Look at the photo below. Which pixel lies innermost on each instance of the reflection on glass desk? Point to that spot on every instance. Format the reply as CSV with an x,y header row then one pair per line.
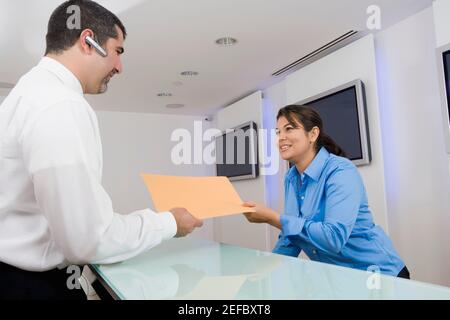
x,y
191,268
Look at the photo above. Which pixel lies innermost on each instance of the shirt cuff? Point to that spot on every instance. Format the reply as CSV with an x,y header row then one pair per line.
x,y
291,225
169,225
285,249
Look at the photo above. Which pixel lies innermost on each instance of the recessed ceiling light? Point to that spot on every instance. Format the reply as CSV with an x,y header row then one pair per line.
x,y
226,41
164,94
189,73
175,105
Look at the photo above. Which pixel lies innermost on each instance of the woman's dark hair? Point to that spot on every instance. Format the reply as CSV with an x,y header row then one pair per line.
x,y
309,118
101,21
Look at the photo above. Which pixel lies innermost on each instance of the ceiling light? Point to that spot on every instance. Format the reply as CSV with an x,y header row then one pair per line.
x,y
175,105
226,41
164,94
189,73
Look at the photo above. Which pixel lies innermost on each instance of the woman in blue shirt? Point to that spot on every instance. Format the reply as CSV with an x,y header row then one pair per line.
x,y
326,211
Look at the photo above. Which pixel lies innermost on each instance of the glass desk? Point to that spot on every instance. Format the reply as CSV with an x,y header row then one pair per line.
x,y
191,268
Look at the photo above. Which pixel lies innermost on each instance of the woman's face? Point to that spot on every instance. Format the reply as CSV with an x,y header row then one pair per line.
x,y
293,142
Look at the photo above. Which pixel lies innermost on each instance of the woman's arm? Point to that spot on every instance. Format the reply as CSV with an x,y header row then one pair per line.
x,y
285,247
262,214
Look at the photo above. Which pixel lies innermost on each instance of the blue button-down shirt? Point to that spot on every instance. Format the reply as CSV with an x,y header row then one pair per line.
x,y
327,215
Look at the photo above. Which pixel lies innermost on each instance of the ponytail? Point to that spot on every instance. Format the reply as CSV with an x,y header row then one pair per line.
x,y
325,140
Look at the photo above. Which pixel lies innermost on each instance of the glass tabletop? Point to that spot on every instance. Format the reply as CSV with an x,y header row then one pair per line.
x,y
192,268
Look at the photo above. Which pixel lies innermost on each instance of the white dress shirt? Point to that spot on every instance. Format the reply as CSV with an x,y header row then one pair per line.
x,y
53,208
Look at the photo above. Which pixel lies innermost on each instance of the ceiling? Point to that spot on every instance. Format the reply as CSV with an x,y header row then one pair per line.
x,y
166,37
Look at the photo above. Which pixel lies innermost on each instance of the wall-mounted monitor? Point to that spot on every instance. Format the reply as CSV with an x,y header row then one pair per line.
x,y
446,61
443,54
237,152
344,115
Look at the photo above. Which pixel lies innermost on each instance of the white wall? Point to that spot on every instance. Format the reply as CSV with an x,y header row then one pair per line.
x,y
441,10
355,61
236,229
416,165
134,143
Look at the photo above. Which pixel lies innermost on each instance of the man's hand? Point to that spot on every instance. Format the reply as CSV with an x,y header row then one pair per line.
x,y
262,214
186,222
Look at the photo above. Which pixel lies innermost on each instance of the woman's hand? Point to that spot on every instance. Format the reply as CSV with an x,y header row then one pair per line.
x,y
262,214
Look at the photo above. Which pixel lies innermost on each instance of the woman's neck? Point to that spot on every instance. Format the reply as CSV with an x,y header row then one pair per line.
x,y
305,161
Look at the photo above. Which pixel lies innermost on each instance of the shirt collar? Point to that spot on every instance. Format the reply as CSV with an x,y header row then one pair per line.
x,y
315,167
292,173
65,75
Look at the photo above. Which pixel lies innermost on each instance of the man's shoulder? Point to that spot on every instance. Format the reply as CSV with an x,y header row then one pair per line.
x,y
41,95
42,89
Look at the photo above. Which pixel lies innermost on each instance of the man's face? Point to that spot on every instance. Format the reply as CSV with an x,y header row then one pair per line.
x,y
107,67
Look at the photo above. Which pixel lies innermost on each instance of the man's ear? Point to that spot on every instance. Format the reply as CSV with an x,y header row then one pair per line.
x,y
85,47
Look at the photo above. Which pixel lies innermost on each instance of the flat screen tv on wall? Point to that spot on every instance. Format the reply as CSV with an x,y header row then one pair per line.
x,y
446,58
444,83
237,152
344,115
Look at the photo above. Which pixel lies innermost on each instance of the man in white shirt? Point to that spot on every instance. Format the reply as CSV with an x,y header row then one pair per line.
x,y
54,211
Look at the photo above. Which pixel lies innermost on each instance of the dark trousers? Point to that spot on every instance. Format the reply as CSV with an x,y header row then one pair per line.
x,y
404,273
18,284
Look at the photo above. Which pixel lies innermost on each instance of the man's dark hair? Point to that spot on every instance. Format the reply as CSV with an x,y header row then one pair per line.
x,y
92,16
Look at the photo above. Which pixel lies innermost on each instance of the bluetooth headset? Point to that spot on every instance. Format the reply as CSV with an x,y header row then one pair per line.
x,y
91,42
